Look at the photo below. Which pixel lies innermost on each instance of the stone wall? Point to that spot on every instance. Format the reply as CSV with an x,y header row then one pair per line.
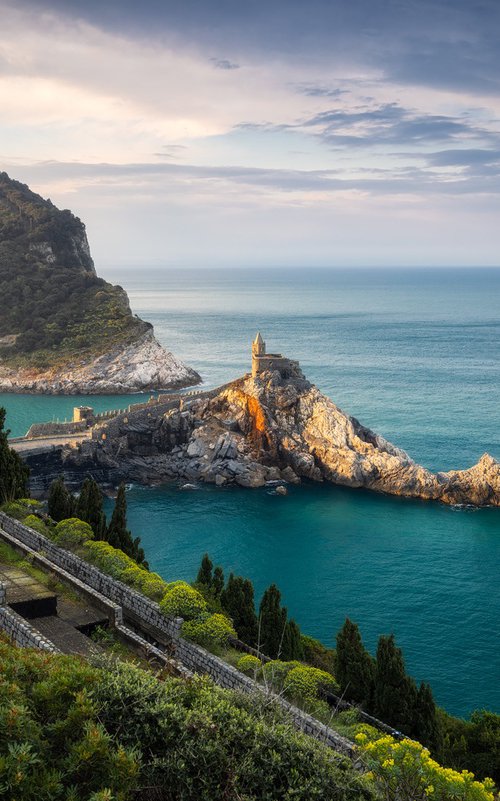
x,y
55,429
19,630
147,615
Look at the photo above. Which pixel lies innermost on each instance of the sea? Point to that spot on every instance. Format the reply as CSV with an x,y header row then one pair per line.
x,y
414,355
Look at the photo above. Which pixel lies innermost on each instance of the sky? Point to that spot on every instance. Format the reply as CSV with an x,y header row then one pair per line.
x,y
240,133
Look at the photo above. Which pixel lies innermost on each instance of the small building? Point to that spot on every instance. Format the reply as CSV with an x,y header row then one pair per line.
x,y
262,361
83,414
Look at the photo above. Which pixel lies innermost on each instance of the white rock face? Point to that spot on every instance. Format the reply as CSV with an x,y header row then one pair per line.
x,y
142,365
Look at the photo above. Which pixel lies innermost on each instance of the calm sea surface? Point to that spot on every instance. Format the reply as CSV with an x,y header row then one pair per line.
x,y
415,355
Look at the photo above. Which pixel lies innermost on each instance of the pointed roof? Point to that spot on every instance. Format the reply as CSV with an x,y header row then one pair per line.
x,y
258,339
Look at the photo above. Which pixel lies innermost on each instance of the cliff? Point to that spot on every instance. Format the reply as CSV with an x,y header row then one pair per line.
x,y
62,328
262,429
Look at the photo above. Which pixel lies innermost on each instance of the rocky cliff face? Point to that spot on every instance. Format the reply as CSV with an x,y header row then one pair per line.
x,y
62,328
267,429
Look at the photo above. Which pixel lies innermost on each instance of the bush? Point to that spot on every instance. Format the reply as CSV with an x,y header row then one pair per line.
x,y
36,524
86,733
249,664
108,559
298,681
72,532
404,770
211,631
16,509
182,600
305,683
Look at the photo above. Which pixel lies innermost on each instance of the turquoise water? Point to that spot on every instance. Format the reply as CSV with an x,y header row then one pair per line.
x,y
414,355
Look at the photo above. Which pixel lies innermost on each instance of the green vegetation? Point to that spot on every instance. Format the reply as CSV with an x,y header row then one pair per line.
x,y
61,505
54,307
76,732
13,472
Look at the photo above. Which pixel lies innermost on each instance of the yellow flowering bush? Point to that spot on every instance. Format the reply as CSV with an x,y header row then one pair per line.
x,y
182,600
210,631
405,771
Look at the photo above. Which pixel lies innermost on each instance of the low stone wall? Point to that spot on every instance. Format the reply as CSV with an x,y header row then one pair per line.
x,y
55,429
19,630
147,614
133,603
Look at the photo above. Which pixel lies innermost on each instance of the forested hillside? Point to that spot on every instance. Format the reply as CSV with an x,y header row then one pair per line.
x,y
53,303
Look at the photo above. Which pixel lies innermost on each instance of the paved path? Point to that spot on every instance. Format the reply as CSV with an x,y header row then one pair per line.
x,y
46,443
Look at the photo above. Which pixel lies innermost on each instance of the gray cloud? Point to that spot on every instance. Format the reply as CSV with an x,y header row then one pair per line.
x,y
224,64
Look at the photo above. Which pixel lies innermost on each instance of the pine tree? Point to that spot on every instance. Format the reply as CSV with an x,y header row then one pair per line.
x,y
237,600
292,647
217,582
14,473
272,618
118,534
395,693
205,572
354,667
60,503
89,508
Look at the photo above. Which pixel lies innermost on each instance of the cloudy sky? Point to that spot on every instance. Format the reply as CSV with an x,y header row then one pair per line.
x,y
220,132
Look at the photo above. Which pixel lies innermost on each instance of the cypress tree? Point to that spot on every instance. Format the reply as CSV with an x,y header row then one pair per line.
x,y
427,728
237,600
217,582
60,503
205,572
89,508
14,473
354,667
118,534
292,647
395,693
272,618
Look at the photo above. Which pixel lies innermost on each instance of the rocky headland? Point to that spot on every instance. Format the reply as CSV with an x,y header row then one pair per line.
x,y
62,328
274,426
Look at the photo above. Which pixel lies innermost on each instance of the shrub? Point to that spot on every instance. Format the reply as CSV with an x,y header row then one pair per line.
x,y
305,683
404,770
249,664
110,560
275,673
36,524
182,600
72,532
16,509
211,631
154,586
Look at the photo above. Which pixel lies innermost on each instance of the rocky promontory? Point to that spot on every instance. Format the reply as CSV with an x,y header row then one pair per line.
x,y
265,428
62,328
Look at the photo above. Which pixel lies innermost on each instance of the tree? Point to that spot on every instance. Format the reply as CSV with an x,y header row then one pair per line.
x,y
118,534
205,572
395,693
14,473
237,600
355,668
292,647
217,582
89,508
60,503
272,617
426,724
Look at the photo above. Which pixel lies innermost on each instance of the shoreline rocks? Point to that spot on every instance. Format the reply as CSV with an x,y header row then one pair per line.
x,y
267,429
138,366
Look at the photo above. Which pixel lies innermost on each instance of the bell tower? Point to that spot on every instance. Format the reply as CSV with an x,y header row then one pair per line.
x,y
258,350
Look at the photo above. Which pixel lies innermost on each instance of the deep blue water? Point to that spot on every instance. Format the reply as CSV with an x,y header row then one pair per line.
x,y
414,355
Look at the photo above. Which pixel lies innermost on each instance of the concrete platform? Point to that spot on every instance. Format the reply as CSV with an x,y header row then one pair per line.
x,y
68,639
27,596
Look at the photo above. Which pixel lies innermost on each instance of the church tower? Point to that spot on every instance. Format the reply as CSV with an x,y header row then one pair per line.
x,y
258,349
